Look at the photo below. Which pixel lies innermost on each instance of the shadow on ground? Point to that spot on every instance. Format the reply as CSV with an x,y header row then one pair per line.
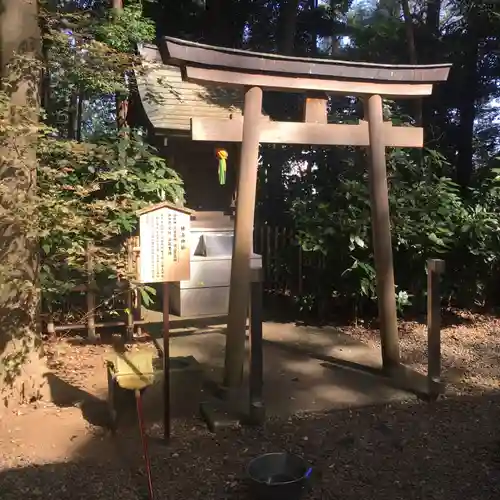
x,y
447,450
65,395
304,370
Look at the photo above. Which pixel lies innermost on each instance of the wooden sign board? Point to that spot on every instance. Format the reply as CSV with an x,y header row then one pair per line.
x,y
164,242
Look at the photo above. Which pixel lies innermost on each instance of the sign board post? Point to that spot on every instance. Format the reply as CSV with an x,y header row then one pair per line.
x,y
165,257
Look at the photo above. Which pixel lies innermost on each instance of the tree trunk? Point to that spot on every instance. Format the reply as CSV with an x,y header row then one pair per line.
x,y
45,87
282,103
469,93
288,26
121,103
22,366
214,15
73,115
79,117
313,4
428,55
412,52
391,8
432,20
218,31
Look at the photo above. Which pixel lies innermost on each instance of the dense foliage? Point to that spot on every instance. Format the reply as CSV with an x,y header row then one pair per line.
x,y
94,172
444,202
90,177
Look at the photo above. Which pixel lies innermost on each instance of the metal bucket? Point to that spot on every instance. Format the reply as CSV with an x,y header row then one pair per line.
x,y
278,476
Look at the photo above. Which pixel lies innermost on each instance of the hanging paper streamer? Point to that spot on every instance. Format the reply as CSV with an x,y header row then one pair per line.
x,y
222,156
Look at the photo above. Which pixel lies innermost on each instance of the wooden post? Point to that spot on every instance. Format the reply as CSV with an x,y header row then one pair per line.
x,y
268,262
316,107
239,294
435,268
138,296
381,229
51,330
129,297
256,376
301,273
166,365
91,333
138,313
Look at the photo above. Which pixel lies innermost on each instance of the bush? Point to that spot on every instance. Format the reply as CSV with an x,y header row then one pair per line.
x,y
430,218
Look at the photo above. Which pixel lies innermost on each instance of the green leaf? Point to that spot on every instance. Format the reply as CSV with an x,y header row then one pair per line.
x,y
145,294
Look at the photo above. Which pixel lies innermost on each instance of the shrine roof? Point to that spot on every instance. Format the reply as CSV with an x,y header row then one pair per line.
x,y
170,102
183,52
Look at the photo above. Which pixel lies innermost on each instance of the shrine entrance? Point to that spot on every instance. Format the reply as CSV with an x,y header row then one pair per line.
x,y
316,78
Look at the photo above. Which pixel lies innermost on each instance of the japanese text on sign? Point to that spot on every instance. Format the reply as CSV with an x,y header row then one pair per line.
x,y
164,241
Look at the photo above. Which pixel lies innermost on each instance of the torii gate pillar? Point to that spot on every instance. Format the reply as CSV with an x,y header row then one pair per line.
x,y
381,234
239,296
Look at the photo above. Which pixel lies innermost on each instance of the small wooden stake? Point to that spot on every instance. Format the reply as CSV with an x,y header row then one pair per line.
x,y
90,294
51,331
381,229
435,268
166,365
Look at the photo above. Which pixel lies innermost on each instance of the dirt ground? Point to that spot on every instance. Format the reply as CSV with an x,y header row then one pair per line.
x,y
413,450
470,349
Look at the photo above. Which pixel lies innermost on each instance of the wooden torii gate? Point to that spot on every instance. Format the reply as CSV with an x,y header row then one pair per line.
x,y
316,78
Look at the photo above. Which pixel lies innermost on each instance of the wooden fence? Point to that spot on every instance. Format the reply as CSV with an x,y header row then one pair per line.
x,y
131,320
287,271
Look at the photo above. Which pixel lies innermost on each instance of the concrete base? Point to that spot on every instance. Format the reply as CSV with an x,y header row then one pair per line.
x,y
231,407
305,369
217,415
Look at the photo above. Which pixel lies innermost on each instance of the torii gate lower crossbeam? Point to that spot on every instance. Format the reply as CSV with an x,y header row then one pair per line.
x,y
255,72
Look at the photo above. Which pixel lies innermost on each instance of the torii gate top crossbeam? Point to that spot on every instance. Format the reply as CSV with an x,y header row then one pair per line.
x,y
191,53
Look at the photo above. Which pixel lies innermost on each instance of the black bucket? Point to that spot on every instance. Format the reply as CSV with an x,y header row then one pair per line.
x,y
278,476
